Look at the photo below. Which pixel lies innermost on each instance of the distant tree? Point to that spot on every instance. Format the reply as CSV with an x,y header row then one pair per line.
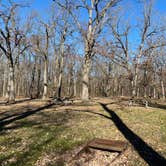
x,y
41,47
122,53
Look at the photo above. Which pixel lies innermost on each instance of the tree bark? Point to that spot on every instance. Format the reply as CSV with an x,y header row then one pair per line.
x,y
5,82
145,91
163,89
134,92
75,87
59,87
11,86
45,77
154,92
85,79
38,78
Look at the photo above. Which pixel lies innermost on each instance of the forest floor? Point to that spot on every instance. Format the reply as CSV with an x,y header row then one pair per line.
x,y
35,132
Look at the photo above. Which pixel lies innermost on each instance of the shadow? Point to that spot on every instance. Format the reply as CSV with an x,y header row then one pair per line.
x,y
152,103
16,102
36,147
155,105
11,118
144,150
90,112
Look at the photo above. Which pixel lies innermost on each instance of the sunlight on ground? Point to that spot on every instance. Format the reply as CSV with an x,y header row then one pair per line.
x,y
39,138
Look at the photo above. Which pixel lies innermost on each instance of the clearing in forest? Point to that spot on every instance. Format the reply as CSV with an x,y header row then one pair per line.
x,y
36,132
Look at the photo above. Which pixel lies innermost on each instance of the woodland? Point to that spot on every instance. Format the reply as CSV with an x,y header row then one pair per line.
x,y
81,71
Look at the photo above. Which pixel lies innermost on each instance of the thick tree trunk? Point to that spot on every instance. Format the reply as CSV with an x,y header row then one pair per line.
x,y
163,89
154,92
134,89
59,86
32,85
38,79
85,79
11,86
75,87
5,94
122,92
135,78
145,91
138,92
45,77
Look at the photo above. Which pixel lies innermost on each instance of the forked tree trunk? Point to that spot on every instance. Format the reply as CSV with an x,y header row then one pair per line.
x,y
45,79
85,79
11,86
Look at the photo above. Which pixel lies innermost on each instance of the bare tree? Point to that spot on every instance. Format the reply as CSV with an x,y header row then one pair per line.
x,y
120,50
96,11
63,33
41,47
11,37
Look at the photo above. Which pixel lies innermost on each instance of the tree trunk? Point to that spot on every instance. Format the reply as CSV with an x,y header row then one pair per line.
x,y
134,92
122,93
5,94
135,78
145,91
154,92
45,76
75,87
38,78
132,88
85,79
59,87
163,89
11,90
138,92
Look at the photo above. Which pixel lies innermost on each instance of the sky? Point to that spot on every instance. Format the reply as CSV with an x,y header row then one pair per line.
x,y
132,7
161,5
41,5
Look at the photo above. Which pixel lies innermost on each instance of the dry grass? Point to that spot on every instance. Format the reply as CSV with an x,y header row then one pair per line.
x,y
43,136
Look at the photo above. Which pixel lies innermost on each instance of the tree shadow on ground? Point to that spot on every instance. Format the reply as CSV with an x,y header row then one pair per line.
x,y
156,105
46,139
144,150
16,102
40,142
14,117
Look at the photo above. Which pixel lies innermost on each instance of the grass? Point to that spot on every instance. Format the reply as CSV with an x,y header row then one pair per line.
x,y
41,137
